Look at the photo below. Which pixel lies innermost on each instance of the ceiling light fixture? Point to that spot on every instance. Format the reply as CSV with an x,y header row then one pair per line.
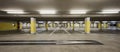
x,y
47,11
78,11
110,11
15,11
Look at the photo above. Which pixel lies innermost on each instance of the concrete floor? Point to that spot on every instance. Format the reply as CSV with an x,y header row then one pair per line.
x,y
110,40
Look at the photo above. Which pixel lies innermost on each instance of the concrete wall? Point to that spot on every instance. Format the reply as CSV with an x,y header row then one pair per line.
x,y
7,26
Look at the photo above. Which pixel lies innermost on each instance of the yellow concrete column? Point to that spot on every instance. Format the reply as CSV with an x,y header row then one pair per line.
x,y
118,25
73,25
46,25
87,25
68,24
33,25
20,25
105,25
99,25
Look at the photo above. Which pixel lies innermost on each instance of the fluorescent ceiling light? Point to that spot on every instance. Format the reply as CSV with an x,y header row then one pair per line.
x,y
78,11
47,11
110,11
15,11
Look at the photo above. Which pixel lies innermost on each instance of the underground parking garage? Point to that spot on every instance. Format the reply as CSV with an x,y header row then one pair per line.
x,y
59,26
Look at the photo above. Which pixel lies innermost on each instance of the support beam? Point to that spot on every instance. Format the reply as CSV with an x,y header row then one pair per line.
x,y
53,24
33,25
46,25
87,25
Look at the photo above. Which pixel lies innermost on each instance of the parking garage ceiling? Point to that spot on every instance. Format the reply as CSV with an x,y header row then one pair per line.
x,y
62,6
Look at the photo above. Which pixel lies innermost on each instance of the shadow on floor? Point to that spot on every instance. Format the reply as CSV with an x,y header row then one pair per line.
x,y
13,32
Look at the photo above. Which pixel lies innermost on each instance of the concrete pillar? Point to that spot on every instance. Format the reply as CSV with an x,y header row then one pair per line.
x,y
20,25
33,25
104,25
68,24
46,25
73,26
87,25
118,24
100,25
53,24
